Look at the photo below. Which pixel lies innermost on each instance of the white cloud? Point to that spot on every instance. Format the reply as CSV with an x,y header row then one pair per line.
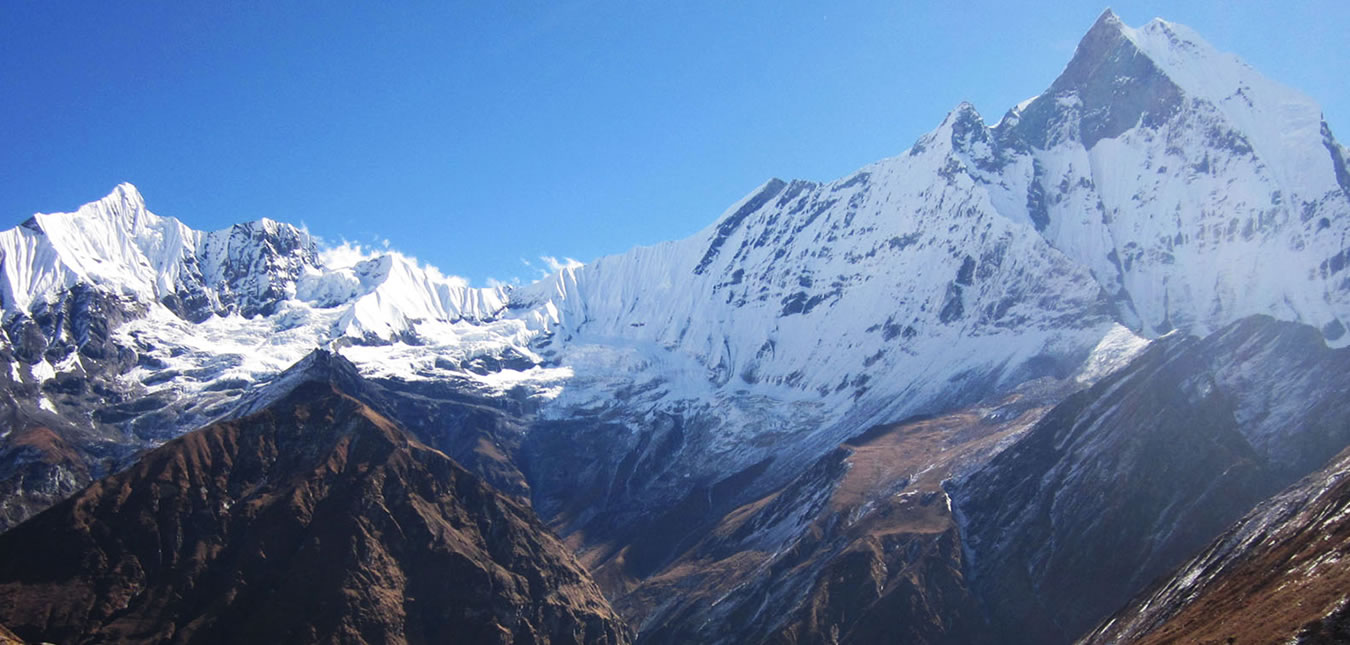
x,y
348,254
343,255
554,264
494,283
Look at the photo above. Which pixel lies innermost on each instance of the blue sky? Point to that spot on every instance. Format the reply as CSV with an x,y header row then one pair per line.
x,y
482,136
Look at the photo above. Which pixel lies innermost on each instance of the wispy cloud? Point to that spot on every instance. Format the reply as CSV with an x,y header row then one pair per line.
x,y
494,283
554,264
346,254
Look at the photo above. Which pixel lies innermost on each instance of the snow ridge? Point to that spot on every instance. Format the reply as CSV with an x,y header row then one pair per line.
x,y
118,245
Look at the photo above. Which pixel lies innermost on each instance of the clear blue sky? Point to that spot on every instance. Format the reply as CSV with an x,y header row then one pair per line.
x,y
477,134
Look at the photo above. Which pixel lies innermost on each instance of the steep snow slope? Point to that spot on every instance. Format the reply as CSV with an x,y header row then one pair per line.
x,y
1197,191
810,311
808,287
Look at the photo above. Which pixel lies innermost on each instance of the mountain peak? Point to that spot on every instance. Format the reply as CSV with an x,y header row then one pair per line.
x,y
319,366
963,110
1106,32
124,205
1107,20
963,127
1109,86
126,190
1153,40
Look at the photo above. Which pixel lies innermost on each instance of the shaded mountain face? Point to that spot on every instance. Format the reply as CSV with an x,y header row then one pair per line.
x,y
46,456
1120,483
1274,576
862,547
1026,518
312,520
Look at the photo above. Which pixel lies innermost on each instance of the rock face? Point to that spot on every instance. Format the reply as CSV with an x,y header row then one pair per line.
x,y
860,548
313,520
39,470
1062,506
45,456
1120,483
1275,576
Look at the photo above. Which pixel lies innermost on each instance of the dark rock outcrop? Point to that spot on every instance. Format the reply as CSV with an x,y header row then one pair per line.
x,y
862,547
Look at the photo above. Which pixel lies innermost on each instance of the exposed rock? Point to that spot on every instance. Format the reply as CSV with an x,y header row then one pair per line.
x,y
1122,482
1278,575
315,520
860,548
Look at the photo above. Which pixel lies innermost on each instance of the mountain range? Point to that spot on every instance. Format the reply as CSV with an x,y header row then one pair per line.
x,y
989,390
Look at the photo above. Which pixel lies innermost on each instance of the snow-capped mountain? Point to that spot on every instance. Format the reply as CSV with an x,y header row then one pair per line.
x,y
115,244
1196,190
1179,181
123,328
241,303
252,269
1158,186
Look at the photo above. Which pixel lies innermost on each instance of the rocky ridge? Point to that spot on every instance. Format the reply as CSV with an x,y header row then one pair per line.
x,y
314,519
1274,576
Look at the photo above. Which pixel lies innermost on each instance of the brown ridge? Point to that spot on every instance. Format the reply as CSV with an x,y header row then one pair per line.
x,y
314,521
